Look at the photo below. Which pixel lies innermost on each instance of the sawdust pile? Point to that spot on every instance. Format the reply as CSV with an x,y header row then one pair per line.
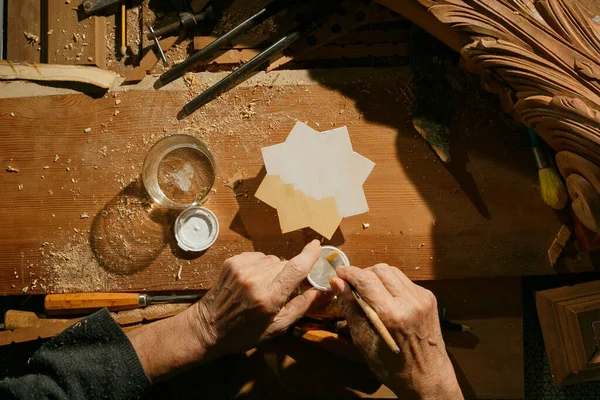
x,y
74,268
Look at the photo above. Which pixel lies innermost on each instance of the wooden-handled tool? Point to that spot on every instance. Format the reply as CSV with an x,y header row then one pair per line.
x,y
84,303
370,313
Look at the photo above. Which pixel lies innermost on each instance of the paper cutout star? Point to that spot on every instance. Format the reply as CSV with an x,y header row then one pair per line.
x,y
314,179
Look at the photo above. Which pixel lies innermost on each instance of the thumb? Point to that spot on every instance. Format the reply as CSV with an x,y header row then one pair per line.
x,y
291,312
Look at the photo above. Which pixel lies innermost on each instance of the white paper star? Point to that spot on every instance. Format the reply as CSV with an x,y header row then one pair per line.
x,y
321,165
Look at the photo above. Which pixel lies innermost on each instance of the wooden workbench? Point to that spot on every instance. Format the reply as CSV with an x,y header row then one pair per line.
x,y
82,222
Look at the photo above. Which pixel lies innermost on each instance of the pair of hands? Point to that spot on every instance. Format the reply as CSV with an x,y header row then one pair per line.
x,y
251,303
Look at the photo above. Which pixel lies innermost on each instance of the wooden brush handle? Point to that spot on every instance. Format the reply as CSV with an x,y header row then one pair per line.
x,y
85,303
377,323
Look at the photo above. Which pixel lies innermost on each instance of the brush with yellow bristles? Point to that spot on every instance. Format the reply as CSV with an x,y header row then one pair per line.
x,y
552,186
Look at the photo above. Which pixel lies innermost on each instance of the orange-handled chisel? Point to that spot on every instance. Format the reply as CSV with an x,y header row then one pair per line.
x,y
85,303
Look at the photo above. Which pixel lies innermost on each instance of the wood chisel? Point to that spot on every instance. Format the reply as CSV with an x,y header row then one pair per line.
x,y
84,303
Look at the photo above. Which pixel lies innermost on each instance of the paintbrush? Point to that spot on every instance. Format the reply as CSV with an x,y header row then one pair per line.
x,y
552,187
370,313
123,48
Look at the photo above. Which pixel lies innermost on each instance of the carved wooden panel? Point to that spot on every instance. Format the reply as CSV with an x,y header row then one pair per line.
x,y
542,56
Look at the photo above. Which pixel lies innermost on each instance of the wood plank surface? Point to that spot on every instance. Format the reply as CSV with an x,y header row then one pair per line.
x,y
76,217
75,38
23,17
488,361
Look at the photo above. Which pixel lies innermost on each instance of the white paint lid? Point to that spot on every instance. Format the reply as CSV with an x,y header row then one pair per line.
x,y
320,273
196,229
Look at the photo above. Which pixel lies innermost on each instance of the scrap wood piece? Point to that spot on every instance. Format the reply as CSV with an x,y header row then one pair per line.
x,y
559,243
52,72
129,319
150,313
30,334
149,60
240,42
235,56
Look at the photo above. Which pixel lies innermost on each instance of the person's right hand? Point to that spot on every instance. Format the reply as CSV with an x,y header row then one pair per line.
x,y
423,369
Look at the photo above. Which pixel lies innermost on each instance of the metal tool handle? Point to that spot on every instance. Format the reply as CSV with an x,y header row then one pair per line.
x,y
245,70
91,6
270,9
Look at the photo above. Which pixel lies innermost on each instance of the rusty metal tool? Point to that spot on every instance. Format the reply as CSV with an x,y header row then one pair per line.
x,y
209,51
83,303
249,68
93,6
187,20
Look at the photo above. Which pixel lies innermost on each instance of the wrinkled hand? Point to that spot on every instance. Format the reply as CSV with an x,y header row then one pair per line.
x,y
422,370
249,303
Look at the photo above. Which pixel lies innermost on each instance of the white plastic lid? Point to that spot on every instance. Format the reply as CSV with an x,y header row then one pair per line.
x,y
196,229
323,270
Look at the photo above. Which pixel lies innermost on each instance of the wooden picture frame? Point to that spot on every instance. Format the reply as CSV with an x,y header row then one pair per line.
x,y
570,321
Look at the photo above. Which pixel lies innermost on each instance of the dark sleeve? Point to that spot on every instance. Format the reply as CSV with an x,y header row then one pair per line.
x,y
93,359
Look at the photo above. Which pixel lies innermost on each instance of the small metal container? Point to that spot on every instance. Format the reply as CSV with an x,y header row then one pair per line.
x,y
196,229
179,171
323,270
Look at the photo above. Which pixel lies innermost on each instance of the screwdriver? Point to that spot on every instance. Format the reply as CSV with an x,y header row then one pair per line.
x,y
84,303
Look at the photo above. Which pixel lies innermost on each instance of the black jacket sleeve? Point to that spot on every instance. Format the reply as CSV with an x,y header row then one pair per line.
x,y
92,359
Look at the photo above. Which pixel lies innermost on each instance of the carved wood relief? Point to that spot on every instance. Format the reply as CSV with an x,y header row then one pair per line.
x,y
544,54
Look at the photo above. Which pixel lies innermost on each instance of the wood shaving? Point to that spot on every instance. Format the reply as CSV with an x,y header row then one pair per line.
x,y
366,225
87,130
31,38
234,181
11,169
84,216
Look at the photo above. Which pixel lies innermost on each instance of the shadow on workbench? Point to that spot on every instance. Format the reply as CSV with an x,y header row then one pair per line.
x,y
284,368
487,148
131,231
259,222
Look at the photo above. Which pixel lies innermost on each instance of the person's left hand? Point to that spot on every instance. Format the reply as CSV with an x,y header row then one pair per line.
x,y
249,302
